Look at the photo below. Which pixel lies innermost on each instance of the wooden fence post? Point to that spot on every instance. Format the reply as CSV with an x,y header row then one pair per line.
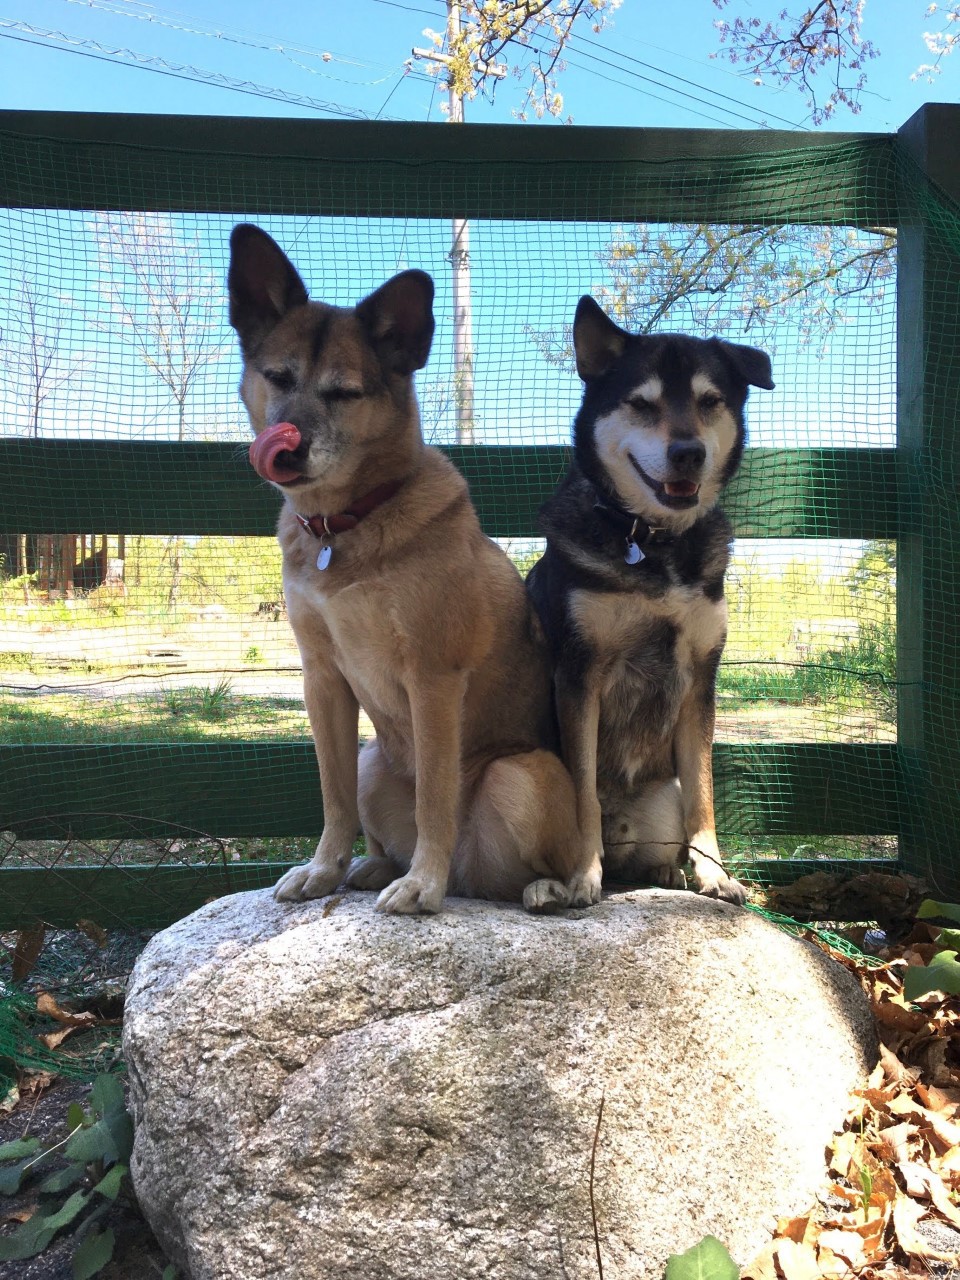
x,y
928,547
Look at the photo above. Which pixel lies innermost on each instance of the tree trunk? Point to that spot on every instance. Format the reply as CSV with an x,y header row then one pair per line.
x,y
176,572
68,562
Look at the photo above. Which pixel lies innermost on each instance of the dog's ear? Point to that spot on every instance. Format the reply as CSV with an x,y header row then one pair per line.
x,y
752,364
262,282
399,320
597,341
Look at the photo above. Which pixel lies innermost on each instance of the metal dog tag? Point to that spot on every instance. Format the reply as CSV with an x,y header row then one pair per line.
x,y
634,554
323,559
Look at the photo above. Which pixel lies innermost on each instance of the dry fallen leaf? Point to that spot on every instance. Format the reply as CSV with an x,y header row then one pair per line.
x,y
95,932
896,1072
53,1039
764,1266
32,1082
70,1022
797,1261
895,1142
906,1214
46,1004
19,1215
844,1244
802,1229
844,1146
27,950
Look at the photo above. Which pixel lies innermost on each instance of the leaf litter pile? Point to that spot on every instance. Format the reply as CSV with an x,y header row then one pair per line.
x,y
891,1205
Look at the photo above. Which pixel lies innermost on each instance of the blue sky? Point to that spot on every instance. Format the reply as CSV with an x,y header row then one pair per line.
x,y
350,55
650,67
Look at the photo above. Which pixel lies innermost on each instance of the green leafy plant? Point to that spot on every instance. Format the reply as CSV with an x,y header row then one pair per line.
x,y
96,1152
943,971
708,1260
253,654
866,1189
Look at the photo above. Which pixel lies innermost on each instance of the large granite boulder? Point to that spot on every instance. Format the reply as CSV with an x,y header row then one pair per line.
x,y
321,1091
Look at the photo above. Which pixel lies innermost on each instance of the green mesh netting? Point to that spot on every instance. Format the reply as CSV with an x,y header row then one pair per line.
x,y
154,749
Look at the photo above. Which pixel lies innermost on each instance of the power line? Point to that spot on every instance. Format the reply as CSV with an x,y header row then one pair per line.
x,y
724,124
246,39
400,81
160,66
673,76
670,102
394,4
716,106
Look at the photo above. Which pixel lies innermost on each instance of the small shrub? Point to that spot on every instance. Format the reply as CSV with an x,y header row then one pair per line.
x,y
96,1173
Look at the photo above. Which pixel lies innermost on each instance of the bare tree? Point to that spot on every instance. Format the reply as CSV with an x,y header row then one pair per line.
x,y
163,298
36,362
167,305
33,362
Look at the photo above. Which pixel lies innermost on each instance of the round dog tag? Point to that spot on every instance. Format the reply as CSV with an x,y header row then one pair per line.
x,y
323,559
634,554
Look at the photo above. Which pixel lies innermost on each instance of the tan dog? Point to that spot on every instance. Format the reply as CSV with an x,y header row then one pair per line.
x,y
401,605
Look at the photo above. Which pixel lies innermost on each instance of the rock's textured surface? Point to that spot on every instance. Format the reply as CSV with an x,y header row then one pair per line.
x,y
324,1092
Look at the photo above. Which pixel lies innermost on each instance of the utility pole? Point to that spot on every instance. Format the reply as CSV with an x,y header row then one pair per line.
x,y
459,255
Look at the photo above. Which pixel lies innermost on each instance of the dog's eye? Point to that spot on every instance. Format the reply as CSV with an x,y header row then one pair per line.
x,y
709,403
643,406
282,379
342,393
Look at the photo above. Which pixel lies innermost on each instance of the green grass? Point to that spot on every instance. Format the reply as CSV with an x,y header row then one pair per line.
x,y
860,675
192,714
741,851
17,662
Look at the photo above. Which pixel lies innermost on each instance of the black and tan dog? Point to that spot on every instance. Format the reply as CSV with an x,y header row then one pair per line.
x,y
400,605
630,592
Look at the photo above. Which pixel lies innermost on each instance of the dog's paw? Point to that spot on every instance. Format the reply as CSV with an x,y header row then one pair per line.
x,y
715,883
544,896
668,876
583,889
411,896
308,881
371,872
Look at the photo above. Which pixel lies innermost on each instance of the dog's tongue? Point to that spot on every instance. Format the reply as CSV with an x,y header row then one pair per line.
x,y
680,489
264,450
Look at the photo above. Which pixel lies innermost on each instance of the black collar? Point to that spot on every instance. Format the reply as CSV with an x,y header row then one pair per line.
x,y
631,527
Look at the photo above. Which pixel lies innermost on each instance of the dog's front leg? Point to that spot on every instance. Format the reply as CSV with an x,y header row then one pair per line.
x,y
436,709
334,714
693,745
578,712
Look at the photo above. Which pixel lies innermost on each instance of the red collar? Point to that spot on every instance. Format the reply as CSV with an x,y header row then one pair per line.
x,y
327,526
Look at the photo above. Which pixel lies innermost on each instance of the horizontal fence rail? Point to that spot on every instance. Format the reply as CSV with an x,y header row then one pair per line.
x,y
193,489
358,169
218,787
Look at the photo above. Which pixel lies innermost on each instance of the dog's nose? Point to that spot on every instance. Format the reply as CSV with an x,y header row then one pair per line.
x,y
686,455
